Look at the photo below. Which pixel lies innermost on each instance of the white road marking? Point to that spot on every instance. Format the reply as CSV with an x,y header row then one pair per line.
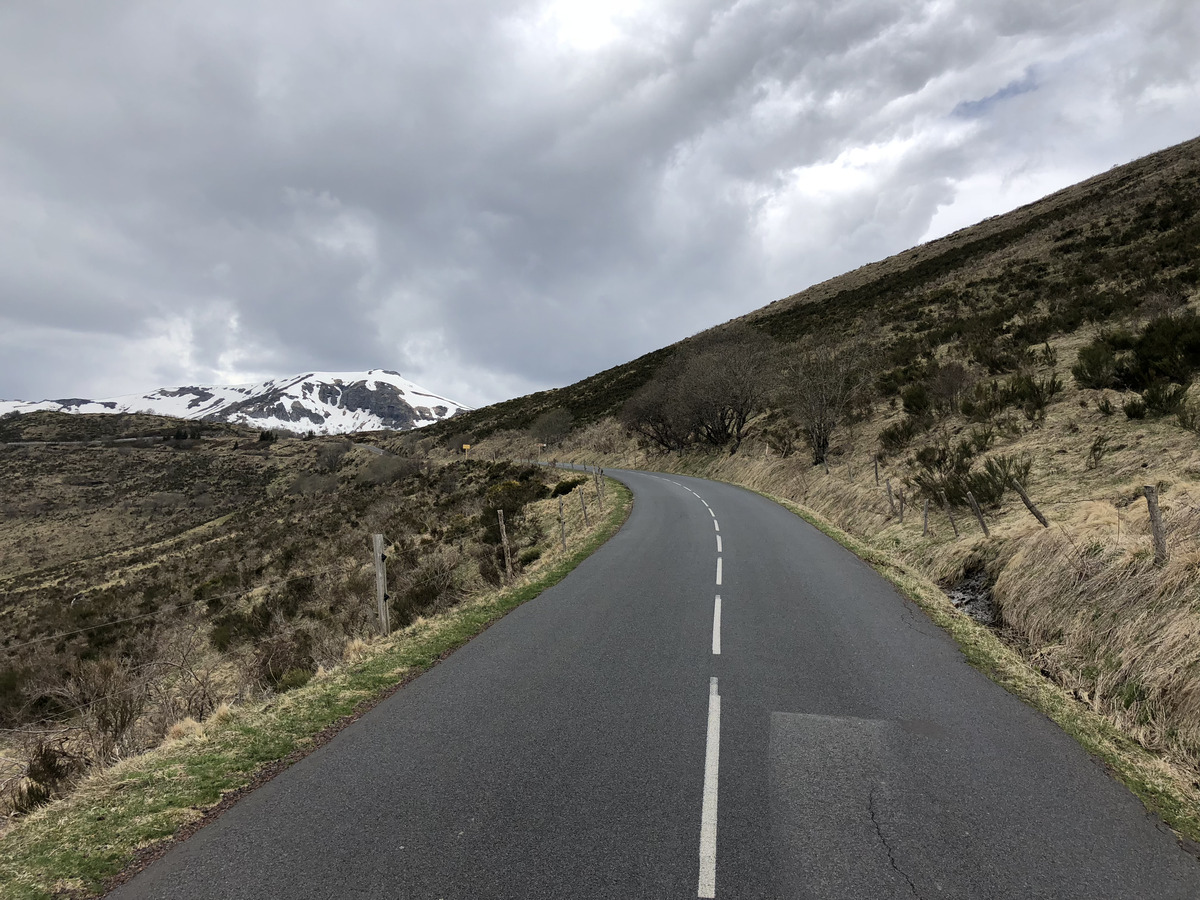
x,y
716,524
718,543
717,627
711,513
708,810
718,570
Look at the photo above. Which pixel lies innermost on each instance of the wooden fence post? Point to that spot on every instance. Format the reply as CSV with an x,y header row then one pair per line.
x,y
876,460
504,540
1037,513
562,523
599,496
849,472
891,501
583,505
381,597
925,520
978,514
1156,526
900,497
949,513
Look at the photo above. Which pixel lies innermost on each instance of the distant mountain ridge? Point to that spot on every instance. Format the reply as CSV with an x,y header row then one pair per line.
x,y
321,402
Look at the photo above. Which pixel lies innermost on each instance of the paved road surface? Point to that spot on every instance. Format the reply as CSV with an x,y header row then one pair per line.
x,y
595,744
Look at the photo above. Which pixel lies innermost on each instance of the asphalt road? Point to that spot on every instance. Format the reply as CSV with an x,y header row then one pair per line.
x,y
593,744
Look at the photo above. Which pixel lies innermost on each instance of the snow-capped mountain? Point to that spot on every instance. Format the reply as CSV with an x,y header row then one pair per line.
x,y
322,402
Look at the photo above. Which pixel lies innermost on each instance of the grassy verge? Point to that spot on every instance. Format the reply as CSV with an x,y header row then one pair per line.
x,y
73,846
1157,785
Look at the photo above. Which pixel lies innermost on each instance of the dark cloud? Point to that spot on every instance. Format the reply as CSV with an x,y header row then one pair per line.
x,y
497,197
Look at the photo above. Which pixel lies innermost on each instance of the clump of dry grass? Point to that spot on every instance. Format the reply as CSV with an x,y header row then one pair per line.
x,y
185,728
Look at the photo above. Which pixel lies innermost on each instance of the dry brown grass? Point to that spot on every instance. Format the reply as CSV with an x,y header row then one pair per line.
x,y
232,601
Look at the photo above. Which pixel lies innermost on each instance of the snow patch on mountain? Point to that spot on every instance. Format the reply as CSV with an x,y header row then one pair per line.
x,y
321,402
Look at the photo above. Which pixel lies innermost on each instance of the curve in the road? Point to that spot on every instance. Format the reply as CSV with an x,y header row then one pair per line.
x,y
720,702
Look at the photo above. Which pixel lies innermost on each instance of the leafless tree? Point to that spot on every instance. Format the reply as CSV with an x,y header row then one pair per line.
x,y
713,388
727,382
824,382
655,413
551,426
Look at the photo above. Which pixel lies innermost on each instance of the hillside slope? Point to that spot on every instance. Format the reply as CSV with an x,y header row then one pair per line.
x,y
1085,254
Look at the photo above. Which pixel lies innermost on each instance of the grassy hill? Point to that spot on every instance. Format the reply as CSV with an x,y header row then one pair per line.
x,y
1107,247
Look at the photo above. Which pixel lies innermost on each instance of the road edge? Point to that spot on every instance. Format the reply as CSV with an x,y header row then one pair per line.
x,y
58,851
1122,757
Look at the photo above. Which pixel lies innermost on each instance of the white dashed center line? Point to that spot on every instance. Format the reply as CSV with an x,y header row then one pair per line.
x,y
708,810
717,627
718,543
718,570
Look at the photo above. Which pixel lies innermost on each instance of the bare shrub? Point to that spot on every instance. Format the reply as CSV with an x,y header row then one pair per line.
x,y
430,586
48,771
278,661
188,685
329,457
110,694
314,484
948,386
387,469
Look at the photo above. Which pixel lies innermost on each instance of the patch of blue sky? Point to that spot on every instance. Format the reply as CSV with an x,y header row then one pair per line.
x,y
974,109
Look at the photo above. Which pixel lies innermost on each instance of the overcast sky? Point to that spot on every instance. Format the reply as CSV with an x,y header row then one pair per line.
x,y
493,196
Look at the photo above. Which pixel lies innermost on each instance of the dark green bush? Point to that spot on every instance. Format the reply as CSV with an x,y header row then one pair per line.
x,y
1135,408
1034,394
987,400
1096,366
999,472
945,469
981,439
1164,399
565,487
899,435
916,399
1168,349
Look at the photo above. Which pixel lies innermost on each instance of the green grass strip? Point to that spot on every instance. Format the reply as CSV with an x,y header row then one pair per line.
x,y
74,845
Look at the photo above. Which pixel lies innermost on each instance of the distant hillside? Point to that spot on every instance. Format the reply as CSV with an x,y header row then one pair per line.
x,y
1083,254
321,402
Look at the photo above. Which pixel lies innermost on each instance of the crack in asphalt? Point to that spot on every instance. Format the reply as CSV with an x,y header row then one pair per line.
x,y
888,847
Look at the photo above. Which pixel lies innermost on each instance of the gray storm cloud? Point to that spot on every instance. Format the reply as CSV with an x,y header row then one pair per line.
x,y
498,197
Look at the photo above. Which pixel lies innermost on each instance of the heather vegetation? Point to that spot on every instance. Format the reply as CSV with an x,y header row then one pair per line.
x,y
1052,351
149,585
